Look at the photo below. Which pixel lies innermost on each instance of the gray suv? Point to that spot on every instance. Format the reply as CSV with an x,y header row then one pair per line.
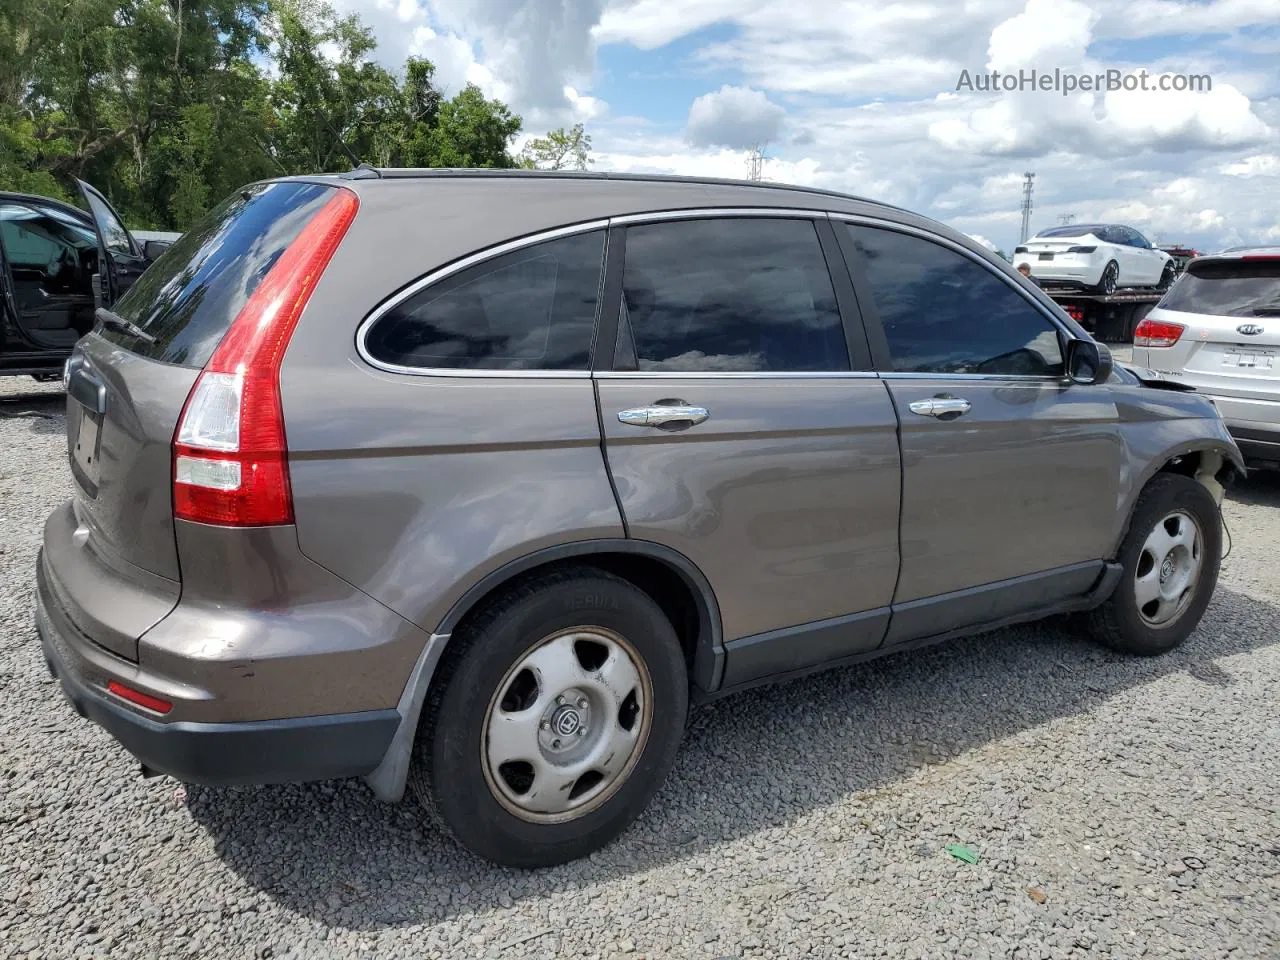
x,y
471,484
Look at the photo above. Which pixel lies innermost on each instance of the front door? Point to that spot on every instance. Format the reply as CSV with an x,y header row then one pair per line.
x,y
50,258
122,261
1010,473
738,434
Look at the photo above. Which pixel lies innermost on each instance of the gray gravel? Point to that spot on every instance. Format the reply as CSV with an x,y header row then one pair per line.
x,y
1137,798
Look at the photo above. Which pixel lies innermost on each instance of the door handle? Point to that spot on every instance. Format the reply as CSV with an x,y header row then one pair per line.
x,y
663,414
942,407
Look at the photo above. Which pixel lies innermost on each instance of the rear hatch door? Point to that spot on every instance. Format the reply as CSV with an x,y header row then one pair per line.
x,y
1231,309
129,379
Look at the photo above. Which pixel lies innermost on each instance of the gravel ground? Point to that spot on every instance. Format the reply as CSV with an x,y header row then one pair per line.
x,y
1119,808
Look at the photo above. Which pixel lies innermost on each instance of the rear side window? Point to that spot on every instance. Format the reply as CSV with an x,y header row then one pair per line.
x,y
725,295
943,313
531,309
1227,288
187,299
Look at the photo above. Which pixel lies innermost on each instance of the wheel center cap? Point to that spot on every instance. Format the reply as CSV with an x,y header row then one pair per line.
x,y
566,721
1166,569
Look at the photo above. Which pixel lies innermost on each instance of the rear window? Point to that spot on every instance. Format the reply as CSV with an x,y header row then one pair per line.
x,y
1075,230
1227,288
531,309
186,300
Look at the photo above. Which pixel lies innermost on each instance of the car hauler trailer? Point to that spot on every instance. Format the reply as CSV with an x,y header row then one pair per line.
x,y
1110,317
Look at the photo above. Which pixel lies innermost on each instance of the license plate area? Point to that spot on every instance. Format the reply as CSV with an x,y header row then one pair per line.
x,y
86,445
1046,256
84,432
1248,359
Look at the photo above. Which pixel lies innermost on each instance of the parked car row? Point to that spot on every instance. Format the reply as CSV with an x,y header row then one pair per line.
x,y
52,275
469,483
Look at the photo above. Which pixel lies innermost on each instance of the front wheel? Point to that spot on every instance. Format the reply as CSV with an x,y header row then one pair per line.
x,y
1170,557
555,720
1166,278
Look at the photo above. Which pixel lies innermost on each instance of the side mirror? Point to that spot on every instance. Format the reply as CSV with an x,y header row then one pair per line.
x,y
153,248
1088,362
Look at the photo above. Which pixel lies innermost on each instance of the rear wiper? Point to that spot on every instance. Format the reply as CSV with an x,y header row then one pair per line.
x,y
114,321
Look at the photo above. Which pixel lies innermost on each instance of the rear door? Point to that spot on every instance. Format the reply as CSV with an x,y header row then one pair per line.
x,y
129,379
1229,309
739,432
1010,474
121,260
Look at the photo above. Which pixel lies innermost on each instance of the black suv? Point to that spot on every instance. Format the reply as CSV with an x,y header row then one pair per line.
x,y
51,279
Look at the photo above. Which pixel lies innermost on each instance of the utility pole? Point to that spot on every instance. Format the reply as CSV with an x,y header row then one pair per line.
x,y
755,162
1028,179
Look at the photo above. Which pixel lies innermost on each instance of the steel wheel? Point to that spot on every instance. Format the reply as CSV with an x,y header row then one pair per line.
x,y
566,725
1168,569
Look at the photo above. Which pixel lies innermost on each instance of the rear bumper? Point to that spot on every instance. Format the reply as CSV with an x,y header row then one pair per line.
x,y
260,751
1253,424
1258,444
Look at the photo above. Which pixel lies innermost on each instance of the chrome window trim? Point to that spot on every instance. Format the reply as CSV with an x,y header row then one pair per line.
x,y
973,258
1015,377
435,276
718,213
656,216
736,375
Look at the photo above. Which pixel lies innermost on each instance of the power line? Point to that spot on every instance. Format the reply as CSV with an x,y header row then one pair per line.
x,y
755,162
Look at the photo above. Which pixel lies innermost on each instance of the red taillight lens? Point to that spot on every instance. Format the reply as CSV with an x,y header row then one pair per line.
x,y
1075,313
230,462
138,697
1157,333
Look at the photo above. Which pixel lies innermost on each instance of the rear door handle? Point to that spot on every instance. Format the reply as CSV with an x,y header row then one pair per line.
x,y
661,414
942,407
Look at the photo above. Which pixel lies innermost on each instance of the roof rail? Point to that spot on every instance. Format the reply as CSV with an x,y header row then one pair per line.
x,y
400,173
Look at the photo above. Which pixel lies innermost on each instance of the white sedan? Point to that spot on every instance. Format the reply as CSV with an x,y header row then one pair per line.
x,y
1099,256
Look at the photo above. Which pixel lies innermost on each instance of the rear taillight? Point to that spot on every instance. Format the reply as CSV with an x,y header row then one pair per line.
x,y
1081,249
1074,312
1157,333
230,462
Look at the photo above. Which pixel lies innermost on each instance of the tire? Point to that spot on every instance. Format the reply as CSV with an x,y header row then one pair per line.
x,y
1126,623
576,624
1110,278
1166,278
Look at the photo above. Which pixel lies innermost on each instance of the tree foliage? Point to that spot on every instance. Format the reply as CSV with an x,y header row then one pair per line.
x,y
559,150
169,105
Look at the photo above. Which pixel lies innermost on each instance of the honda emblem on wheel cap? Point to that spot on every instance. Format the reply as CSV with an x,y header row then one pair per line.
x,y
1249,329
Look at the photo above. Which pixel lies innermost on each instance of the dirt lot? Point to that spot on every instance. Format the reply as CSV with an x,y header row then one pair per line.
x,y
1118,807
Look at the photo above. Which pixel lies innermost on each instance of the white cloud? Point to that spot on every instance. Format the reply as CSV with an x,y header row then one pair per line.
x,y
653,23
534,47
735,117
1259,165
1147,18
1046,33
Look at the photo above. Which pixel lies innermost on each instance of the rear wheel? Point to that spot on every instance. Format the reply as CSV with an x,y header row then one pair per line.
x,y
1166,278
1170,558
1110,278
555,720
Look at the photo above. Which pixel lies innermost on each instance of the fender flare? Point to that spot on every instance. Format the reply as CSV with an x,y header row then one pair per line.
x,y
389,779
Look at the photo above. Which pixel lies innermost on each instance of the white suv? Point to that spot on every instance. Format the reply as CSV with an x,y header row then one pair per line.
x,y
1218,330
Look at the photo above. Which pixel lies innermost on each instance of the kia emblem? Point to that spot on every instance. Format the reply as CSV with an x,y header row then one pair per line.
x,y
1249,329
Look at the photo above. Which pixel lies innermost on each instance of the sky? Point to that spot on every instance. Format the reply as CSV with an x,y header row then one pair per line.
x,y
866,97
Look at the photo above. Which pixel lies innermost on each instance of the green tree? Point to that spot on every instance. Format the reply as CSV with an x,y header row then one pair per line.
x,y
469,131
559,150
168,105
